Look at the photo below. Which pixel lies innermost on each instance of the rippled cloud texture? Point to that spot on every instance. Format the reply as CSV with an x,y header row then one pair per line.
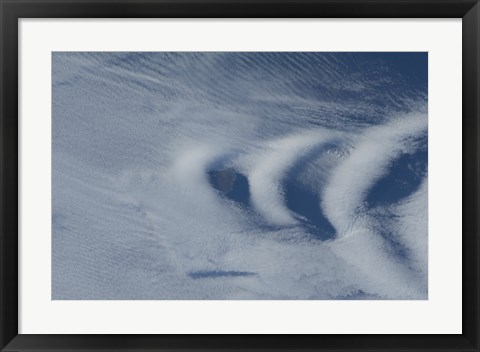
x,y
239,175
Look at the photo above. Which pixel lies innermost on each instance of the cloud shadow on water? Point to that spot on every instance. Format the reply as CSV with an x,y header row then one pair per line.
x,y
212,274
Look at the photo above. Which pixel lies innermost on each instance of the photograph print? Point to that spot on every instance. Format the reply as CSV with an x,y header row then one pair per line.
x,y
239,176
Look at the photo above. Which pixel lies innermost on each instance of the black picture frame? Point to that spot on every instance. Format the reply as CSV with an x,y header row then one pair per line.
x,y
12,10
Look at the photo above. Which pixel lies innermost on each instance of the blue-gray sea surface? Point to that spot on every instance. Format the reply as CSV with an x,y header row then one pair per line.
x,y
239,175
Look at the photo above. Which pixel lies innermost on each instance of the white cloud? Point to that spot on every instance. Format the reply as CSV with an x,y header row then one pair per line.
x,y
268,168
343,197
135,214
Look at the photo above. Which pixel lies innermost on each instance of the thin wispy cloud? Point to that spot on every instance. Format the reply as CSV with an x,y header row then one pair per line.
x,y
239,176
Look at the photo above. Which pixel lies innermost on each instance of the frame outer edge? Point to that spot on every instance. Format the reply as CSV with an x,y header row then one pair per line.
x,y
3,320
8,173
470,161
10,12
